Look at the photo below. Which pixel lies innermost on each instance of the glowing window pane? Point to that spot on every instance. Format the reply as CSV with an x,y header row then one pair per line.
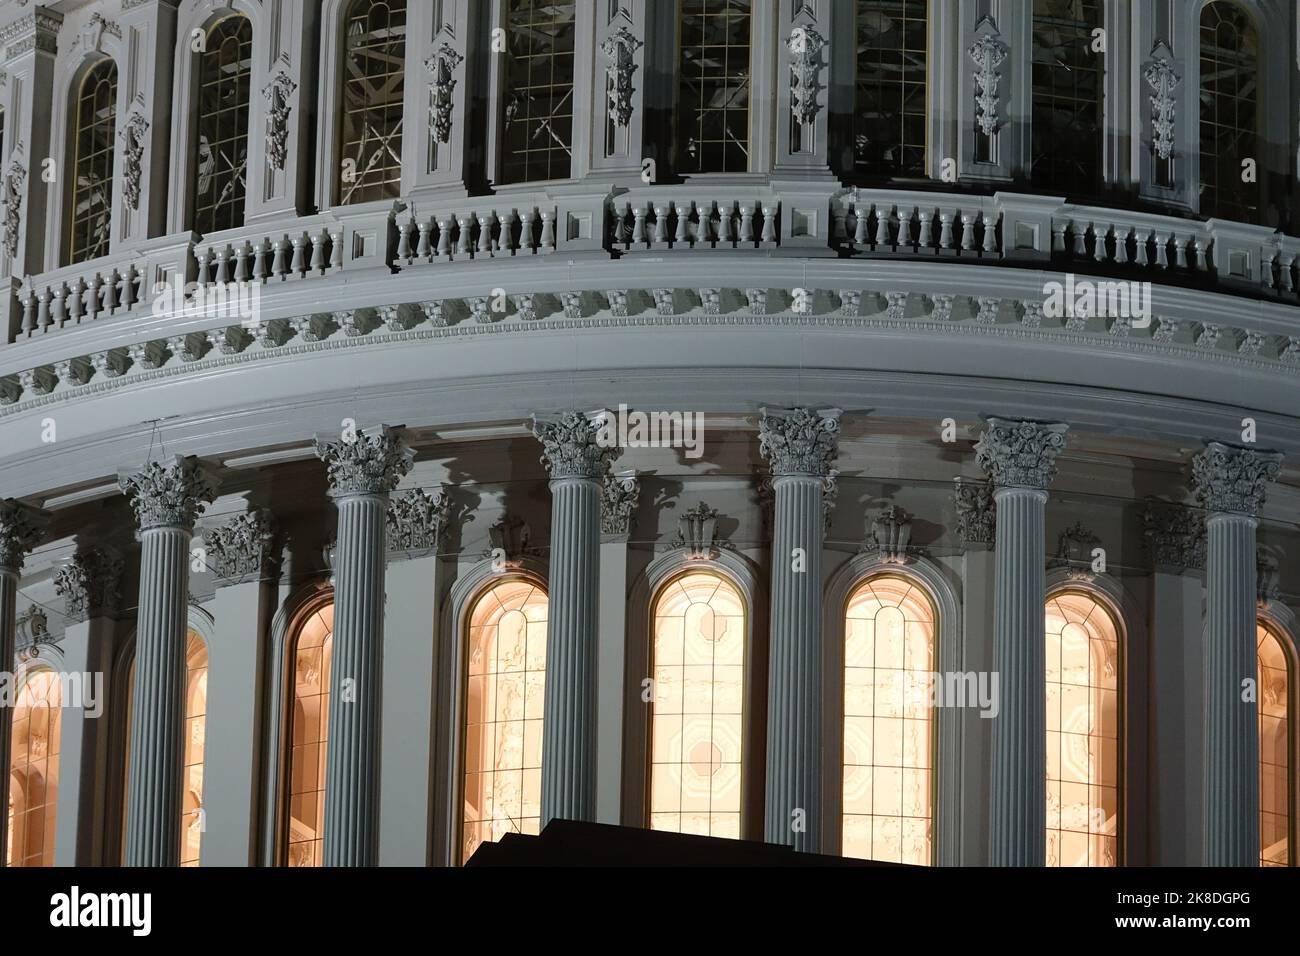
x,y
196,717
697,717
713,86
1067,96
1229,111
1275,743
221,149
889,122
505,692
888,723
92,164
308,735
1083,701
374,63
34,770
538,103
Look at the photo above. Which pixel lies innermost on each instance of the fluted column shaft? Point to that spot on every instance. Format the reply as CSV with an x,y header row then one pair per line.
x,y
363,469
794,713
569,730
1018,795
153,814
1231,482
352,765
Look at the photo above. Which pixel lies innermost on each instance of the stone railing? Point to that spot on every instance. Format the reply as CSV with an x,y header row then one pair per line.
x,y
664,218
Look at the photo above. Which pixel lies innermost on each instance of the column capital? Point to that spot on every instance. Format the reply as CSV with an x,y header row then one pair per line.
x,y
242,545
799,441
976,511
170,493
1230,479
90,584
37,30
417,521
618,499
575,445
365,464
21,529
1020,454
1175,536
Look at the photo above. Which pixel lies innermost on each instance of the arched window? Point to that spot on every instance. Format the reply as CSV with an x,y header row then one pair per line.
x,y
373,86
309,734
221,147
34,769
505,688
92,163
889,728
1276,746
889,134
698,712
1068,91
1083,722
1229,111
537,108
713,86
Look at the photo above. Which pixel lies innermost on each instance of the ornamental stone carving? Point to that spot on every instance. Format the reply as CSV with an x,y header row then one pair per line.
x,y
697,533
1163,80
363,464
1175,536
133,143
1074,549
32,628
417,521
618,499
15,188
277,95
620,54
241,546
988,53
509,539
890,535
576,446
976,511
168,494
804,45
1020,454
800,441
1268,572
21,529
442,66
1233,480
90,584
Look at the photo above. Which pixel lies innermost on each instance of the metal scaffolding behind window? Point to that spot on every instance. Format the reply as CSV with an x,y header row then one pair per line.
x,y
1067,94
889,135
537,120
221,160
1229,111
92,164
713,86
373,87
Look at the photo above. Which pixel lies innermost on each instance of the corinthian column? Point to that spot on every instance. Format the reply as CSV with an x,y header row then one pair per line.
x,y
1231,481
21,528
166,497
1020,458
363,470
577,463
799,445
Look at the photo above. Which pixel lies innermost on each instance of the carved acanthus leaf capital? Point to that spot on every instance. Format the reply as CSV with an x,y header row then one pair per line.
x,y
1020,454
241,546
1233,480
618,499
90,584
1174,535
169,494
417,521
575,445
800,441
21,529
976,511
365,464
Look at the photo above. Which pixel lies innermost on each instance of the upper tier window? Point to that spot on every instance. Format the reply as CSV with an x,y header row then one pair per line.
x,y
92,164
537,108
374,62
221,159
889,134
1229,111
713,86
1067,96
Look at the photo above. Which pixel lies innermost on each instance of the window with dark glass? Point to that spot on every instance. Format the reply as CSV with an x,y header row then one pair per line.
x,y
537,108
221,149
374,61
713,86
1068,76
889,135
92,163
1229,111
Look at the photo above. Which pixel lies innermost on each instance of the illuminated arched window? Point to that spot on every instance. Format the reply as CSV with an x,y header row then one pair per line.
x,y
889,133
308,735
889,655
698,712
374,60
537,108
505,688
34,769
221,147
1068,91
1229,111
713,86
1083,721
92,163
1276,746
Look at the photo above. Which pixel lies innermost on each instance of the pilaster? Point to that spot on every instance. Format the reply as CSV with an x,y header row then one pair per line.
x,y
619,495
